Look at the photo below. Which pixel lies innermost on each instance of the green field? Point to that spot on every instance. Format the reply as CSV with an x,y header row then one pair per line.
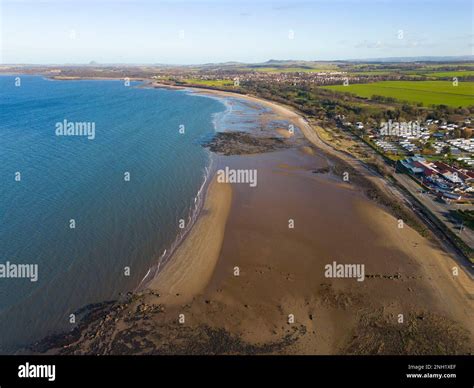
x,y
293,69
458,74
214,83
373,72
453,67
426,92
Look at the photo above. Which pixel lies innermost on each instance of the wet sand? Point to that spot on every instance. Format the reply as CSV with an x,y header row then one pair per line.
x,y
194,260
282,270
281,301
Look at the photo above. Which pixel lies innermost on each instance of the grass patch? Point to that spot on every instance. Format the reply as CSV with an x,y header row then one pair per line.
x,y
293,70
452,74
213,83
466,216
374,72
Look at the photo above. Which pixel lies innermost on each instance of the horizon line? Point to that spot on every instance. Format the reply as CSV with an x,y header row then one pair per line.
x,y
426,58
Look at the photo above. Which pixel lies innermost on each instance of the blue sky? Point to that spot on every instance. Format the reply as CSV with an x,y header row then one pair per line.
x,y
188,32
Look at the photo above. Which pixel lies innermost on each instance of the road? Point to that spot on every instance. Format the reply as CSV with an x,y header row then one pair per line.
x,y
441,210
412,187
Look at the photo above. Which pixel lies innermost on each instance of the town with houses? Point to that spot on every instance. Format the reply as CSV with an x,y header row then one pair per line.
x,y
430,153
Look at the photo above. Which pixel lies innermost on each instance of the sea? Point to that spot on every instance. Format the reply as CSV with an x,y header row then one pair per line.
x,y
99,181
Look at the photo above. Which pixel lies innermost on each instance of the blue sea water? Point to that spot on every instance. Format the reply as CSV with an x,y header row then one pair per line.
x,y
119,223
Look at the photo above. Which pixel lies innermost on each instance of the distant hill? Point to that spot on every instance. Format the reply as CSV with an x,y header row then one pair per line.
x,y
300,64
462,58
273,63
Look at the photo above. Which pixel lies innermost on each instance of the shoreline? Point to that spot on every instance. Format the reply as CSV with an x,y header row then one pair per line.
x,y
168,255
150,279
254,306
292,115
192,263
193,217
195,213
464,287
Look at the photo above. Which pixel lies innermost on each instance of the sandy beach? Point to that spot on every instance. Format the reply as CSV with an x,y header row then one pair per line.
x,y
282,268
249,283
194,261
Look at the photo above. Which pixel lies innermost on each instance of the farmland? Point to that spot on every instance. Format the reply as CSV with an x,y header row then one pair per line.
x,y
425,92
293,69
211,83
451,74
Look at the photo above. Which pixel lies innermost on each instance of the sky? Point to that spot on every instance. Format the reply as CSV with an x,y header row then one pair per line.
x,y
205,31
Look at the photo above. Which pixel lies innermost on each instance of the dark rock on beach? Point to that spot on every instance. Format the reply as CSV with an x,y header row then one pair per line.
x,y
243,143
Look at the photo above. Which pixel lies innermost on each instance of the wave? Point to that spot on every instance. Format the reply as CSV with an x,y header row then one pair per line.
x,y
218,120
